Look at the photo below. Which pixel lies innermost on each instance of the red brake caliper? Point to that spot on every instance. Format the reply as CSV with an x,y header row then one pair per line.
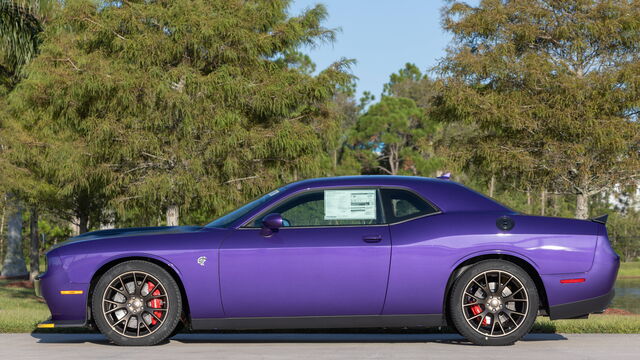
x,y
155,303
476,309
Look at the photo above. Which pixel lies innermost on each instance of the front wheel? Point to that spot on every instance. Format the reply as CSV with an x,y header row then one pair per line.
x,y
136,303
494,302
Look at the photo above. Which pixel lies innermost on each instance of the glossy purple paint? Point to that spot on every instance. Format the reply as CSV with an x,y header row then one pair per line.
x,y
305,272
453,238
270,224
332,270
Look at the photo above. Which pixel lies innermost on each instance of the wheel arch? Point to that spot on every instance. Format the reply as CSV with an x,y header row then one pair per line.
x,y
522,263
106,266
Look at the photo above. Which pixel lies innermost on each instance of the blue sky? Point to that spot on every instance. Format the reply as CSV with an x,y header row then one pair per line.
x,y
382,35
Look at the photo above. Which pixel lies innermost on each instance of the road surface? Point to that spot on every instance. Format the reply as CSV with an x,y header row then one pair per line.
x,y
320,346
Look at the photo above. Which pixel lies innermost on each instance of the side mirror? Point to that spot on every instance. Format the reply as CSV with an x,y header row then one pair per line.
x,y
270,224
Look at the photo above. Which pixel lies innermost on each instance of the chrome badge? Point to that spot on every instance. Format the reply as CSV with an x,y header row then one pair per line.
x,y
202,260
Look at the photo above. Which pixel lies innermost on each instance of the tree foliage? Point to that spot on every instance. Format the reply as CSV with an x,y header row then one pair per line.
x,y
393,135
547,83
20,27
19,30
187,103
411,83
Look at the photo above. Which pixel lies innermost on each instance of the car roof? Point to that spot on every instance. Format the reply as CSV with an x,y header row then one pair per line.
x,y
445,194
367,180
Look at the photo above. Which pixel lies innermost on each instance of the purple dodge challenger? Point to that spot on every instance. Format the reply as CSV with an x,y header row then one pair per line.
x,y
344,252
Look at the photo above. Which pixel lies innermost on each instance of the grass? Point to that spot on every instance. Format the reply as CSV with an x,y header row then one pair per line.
x,y
596,324
629,269
21,310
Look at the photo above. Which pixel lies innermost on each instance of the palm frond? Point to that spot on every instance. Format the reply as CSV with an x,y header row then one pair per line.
x,y
19,29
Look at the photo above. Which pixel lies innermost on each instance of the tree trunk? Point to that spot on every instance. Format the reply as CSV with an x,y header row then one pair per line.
x,y
4,210
75,229
582,206
529,207
172,215
83,223
394,163
14,265
492,185
35,246
556,204
543,201
335,161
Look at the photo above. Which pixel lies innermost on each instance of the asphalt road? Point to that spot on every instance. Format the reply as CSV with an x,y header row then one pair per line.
x,y
320,346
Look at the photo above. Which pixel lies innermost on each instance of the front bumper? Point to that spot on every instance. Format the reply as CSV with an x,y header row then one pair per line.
x,y
67,301
50,324
581,308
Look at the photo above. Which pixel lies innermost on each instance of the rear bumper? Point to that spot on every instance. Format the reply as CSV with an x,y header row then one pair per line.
x,y
593,294
581,308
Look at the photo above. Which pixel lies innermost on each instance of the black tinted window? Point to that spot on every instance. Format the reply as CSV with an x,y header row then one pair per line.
x,y
402,205
329,207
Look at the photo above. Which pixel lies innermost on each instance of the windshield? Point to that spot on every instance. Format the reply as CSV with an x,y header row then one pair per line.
x,y
231,217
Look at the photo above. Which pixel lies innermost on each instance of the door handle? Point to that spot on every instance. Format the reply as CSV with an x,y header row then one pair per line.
x,y
372,238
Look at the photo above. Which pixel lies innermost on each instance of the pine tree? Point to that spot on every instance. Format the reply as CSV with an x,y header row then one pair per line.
x,y
551,87
392,135
171,106
410,82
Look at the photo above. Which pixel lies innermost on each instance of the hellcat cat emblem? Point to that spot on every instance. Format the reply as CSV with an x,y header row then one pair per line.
x,y
202,260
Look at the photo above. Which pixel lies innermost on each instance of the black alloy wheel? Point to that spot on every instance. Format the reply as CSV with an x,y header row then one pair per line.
x,y
136,303
494,302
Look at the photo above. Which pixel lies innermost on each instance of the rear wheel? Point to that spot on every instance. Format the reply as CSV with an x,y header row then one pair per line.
x,y
494,302
136,303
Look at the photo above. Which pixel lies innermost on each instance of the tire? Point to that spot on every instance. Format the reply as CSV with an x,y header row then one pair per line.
x,y
476,302
180,327
154,302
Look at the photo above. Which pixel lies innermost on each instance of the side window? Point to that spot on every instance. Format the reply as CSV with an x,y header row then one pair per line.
x,y
329,208
305,210
402,205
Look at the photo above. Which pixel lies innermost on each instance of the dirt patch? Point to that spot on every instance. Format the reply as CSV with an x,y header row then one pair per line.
x,y
20,284
617,312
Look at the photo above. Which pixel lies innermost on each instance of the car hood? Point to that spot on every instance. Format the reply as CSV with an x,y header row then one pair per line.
x,y
128,232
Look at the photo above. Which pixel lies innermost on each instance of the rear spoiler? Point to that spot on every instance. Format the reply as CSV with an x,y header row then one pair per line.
x,y
601,219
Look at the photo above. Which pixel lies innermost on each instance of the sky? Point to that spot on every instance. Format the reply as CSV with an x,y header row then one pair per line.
x,y
382,35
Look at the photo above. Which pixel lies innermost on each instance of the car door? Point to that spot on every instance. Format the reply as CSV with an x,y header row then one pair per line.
x,y
331,258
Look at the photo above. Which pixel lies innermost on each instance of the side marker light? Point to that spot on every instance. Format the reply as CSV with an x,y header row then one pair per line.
x,y
572,281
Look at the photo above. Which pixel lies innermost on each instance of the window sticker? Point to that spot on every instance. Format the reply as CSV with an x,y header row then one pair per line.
x,y
349,204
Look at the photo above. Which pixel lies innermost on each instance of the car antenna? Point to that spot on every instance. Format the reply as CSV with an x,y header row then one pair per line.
x,y
445,176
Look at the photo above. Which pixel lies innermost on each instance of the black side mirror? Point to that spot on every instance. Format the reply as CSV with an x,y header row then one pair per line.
x,y
270,224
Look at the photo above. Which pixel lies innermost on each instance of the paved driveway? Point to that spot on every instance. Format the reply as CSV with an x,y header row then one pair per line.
x,y
320,346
